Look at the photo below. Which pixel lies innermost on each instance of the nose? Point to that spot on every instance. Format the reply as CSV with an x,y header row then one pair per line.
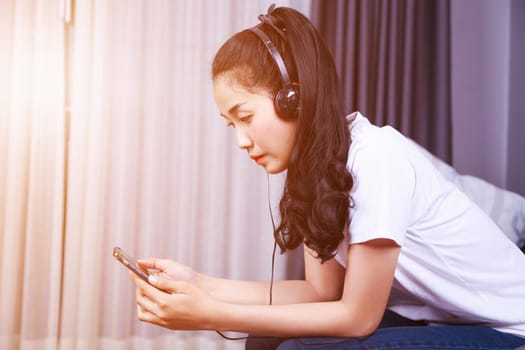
x,y
243,139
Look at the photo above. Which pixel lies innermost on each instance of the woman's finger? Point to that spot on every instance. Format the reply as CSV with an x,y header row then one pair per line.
x,y
154,264
145,303
169,285
145,315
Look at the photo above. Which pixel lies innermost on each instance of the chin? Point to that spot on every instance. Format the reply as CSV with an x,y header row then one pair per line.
x,y
274,170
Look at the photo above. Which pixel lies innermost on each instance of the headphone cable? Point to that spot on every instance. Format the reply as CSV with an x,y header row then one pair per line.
x,y
273,265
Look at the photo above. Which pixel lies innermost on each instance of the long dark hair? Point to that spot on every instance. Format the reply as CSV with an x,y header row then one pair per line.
x,y
315,204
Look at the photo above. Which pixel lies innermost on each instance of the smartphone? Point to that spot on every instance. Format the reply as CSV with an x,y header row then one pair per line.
x,y
130,263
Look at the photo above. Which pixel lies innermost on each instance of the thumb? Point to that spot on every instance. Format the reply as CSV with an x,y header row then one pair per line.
x,y
167,284
153,264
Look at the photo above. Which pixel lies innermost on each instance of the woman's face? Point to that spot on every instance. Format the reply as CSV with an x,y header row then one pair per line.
x,y
268,139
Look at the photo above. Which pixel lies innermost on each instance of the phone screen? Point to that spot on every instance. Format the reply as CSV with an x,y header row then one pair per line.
x,y
131,264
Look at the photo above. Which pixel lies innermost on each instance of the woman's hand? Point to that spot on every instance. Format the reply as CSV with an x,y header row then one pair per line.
x,y
168,269
174,304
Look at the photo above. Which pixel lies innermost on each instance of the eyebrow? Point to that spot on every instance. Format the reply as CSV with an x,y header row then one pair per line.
x,y
234,109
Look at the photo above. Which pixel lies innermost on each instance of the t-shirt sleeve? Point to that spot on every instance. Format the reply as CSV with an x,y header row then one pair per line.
x,y
383,191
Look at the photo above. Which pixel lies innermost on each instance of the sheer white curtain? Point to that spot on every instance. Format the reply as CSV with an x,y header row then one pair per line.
x,y
142,161
32,153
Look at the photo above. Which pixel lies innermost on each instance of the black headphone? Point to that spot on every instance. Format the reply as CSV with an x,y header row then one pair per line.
x,y
286,100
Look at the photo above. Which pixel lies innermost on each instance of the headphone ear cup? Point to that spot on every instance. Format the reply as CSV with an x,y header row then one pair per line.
x,y
287,101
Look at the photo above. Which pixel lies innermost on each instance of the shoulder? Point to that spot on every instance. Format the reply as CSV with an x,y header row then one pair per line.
x,y
374,146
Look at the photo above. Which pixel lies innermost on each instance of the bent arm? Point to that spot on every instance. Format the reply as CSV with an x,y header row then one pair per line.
x,y
367,283
323,282
368,278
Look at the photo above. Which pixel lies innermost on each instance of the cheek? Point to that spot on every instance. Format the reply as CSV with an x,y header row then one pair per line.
x,y
285,131
262,132
277,135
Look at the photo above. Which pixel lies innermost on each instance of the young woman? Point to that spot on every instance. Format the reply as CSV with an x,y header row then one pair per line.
x,y
381,228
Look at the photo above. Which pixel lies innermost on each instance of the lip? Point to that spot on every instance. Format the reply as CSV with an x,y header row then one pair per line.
x,y
257,158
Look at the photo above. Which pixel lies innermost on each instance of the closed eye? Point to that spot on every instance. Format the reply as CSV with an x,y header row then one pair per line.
x,y
247,118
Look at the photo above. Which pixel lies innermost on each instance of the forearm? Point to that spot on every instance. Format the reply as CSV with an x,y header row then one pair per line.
x,y
256,292
208,303
356,313
309,319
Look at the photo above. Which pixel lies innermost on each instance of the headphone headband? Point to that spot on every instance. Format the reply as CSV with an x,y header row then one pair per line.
x,y
286,100
275,54
268,19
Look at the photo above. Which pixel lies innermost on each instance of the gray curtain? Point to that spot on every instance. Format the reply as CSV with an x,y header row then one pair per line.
x,y
393,59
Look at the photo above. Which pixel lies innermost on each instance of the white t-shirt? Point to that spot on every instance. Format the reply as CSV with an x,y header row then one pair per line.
x,y
455,264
